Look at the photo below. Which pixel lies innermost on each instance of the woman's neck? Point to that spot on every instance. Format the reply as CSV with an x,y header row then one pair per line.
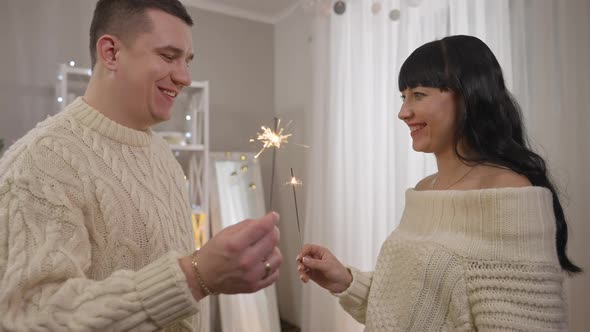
x,y
451,169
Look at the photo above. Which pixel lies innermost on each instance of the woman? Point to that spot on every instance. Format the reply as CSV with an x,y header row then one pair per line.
x,y
481,244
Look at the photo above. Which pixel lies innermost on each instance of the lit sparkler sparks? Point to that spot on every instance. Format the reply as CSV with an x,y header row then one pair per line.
x,y
294,181
271,138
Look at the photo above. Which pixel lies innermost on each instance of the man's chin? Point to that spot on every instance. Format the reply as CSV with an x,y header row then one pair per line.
x,y
162,116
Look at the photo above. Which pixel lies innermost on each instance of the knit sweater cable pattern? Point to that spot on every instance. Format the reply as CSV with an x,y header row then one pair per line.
x,y
480,260
93,219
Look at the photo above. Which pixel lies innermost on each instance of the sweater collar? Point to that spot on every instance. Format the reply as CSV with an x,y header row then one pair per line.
x,y
106,127
501,223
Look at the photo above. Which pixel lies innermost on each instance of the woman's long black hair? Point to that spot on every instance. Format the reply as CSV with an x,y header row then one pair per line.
x,y
489,121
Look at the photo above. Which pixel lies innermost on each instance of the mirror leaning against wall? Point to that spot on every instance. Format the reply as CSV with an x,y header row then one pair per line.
x,y
237,194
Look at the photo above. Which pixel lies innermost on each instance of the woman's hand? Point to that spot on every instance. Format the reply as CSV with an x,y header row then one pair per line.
x,y
320,265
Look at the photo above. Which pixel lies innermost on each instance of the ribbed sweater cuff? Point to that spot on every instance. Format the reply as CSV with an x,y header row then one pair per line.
x,y
358,291
164,292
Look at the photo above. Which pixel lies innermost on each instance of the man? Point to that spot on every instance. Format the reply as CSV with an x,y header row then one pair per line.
x,y
95,231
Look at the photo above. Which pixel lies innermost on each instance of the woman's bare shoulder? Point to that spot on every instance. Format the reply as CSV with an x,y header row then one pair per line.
x,y
426,183
500,177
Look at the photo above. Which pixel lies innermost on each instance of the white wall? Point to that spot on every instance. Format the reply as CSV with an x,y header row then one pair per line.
x,y
292,103
35,36
557,37
561,125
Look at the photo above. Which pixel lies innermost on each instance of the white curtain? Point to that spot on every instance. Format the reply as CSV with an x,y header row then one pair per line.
x,y
361,161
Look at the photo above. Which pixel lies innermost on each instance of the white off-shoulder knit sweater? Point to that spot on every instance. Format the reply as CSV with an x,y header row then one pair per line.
x,y
93,219
478,260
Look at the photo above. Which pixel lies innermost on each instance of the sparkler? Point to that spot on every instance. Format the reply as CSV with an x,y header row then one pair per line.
x,y
272,139
296,182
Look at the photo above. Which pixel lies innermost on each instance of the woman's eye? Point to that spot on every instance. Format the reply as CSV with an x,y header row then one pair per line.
x,y
419,95
403,98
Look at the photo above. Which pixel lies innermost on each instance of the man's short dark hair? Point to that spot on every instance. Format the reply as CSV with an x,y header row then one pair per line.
x,y
126,19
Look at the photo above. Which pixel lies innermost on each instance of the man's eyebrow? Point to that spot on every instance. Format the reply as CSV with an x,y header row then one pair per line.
x,y
177,51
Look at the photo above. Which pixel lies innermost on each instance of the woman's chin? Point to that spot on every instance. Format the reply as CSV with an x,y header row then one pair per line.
x,y
418,147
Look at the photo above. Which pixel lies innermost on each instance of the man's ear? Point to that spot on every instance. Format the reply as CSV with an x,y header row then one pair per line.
x,y
107,49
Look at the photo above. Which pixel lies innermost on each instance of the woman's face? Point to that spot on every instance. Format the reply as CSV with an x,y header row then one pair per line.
x,y
430,113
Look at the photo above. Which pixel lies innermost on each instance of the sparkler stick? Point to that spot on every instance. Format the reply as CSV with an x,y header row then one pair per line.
x,y
296,182
274,159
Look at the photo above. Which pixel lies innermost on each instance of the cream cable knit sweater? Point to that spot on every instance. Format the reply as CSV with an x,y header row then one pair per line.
x,y
93,218
480,260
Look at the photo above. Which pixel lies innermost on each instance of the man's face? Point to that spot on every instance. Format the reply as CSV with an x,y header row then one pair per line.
x,y
153,69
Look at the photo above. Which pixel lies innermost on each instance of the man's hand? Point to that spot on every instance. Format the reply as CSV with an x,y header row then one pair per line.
x,y
242,258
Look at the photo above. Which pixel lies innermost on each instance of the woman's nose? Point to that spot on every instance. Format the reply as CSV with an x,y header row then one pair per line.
x,y
405,112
